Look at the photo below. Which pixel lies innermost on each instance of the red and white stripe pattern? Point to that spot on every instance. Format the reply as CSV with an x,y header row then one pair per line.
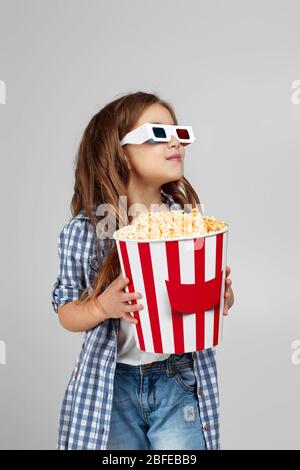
x,y
189,264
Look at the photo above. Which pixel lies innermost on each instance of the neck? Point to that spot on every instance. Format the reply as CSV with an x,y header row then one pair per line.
x,y
146,195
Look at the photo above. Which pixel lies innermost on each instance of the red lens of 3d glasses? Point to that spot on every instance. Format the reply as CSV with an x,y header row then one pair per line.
x,y
183,133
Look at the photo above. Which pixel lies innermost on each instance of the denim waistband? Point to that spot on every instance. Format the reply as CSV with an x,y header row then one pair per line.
x,y
173,362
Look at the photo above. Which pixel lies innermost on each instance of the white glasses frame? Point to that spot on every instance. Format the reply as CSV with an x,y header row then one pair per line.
x,y
145,133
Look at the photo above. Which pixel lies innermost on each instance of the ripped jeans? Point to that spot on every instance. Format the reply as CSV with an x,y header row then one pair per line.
x,y
155,406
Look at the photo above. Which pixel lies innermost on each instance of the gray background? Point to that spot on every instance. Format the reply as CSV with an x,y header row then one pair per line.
x,y
227,67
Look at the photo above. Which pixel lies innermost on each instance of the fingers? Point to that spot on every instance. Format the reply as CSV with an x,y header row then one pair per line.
x,y
228,281
228,291
130,319
122,281
132,307
229,298
227,294
126,296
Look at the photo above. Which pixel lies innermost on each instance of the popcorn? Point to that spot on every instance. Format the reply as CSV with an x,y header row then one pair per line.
x,y
170,224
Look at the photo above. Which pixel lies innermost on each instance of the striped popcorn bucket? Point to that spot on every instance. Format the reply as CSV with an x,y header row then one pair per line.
x,y
182,282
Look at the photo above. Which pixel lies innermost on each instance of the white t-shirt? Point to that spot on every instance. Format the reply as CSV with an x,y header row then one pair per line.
x,y
128,353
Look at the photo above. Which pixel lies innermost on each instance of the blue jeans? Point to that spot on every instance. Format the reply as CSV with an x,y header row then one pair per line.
x,y
155,406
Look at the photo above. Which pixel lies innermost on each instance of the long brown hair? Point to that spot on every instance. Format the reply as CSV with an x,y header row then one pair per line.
x,y
102,174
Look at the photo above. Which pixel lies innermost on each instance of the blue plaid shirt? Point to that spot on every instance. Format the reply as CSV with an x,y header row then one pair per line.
x,y
86,408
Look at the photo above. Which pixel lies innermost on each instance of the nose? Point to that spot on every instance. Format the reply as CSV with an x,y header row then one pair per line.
x,y
174,141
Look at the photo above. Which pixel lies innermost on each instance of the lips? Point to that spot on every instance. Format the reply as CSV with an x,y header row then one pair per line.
x,y
175,156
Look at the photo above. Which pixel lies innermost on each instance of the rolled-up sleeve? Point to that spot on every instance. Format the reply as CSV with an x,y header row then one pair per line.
x,y
70,282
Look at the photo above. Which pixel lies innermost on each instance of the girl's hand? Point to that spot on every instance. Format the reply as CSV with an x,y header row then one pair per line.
x,y
114,301
229,297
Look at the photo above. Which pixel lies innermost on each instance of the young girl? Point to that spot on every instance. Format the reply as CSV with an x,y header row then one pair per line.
x,y
118,396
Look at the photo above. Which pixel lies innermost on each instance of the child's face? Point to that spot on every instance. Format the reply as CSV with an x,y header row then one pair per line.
x,y
148,162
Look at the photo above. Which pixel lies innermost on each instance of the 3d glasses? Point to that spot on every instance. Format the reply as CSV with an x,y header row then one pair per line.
x,y
153,133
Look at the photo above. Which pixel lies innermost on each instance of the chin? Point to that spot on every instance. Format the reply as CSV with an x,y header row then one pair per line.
x,y
178,173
